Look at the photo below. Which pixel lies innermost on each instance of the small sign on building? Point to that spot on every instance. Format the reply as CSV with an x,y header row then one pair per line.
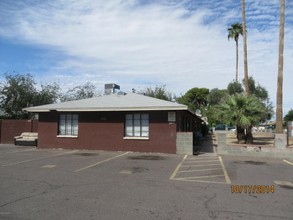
x,y
171,116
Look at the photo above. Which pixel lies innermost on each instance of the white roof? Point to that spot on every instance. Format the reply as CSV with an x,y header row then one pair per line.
x,y
113,102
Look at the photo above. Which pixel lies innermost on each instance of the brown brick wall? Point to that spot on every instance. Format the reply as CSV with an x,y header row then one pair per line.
x,y
35,125
11,128
105,131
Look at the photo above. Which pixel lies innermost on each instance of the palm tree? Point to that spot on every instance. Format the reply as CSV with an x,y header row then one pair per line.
x,y
244,112
233,32
245,49
279,111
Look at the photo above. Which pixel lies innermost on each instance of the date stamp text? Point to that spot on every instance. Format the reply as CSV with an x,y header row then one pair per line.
x,y
258,189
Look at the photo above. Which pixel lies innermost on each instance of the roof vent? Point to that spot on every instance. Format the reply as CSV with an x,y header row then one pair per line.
x,y
111,88
121,93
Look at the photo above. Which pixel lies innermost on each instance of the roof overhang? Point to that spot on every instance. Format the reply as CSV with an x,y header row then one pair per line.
x,y
171,108
154,108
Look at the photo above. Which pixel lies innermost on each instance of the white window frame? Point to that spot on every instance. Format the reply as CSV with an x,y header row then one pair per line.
x,y
68,125
136,126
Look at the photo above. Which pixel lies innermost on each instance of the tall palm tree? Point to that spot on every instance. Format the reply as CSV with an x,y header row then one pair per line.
x,y
279,111
233,32
244,112
245,49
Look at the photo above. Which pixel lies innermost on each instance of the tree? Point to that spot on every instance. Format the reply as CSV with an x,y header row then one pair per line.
x,y
245,49
19,91
256,89
279,110
88,90
159,92
262,95
234,88
194,98
244,112
234,32
16,94
217,96
212,113
289,116
261,92
49,94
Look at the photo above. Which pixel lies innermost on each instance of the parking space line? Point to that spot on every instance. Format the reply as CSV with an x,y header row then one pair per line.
x,y
177,168
19,151
187,171
201,181
199,177
49,166
39,158
288,162
202,161
201,170
228,181
100,162
202,158
284,183
201,165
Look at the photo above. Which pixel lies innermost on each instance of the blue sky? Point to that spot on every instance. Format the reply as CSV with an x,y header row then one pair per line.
x,y
140,43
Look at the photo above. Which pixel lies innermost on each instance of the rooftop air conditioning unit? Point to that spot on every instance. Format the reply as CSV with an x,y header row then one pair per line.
x,y
110,88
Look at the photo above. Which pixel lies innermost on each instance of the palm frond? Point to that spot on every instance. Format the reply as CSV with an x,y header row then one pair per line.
x,y
242,111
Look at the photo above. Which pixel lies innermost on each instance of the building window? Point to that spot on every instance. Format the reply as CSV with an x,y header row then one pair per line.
x,y
137,125
68,124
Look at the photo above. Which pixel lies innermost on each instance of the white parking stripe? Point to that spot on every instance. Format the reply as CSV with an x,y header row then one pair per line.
x,y
178,167
202,161
39,158
201,165
283,183
199,177
201,181
286,161
100,162
187,171
225,171
18,151
202,158
208,170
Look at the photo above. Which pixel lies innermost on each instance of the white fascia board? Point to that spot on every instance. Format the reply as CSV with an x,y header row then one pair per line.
x,y
170,108
36,110
120,109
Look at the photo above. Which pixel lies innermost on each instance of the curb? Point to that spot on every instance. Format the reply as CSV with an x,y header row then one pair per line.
x,y
252,151
256,152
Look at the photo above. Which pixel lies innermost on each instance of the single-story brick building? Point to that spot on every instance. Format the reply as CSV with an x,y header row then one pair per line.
x,y
117,122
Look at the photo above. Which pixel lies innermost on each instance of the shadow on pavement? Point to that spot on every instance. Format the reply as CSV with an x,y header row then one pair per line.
x,y
205,145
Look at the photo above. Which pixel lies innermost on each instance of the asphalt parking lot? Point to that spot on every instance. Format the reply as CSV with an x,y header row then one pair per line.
x,y
74,184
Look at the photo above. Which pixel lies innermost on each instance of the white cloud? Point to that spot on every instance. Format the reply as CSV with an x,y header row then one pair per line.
x,y
140,45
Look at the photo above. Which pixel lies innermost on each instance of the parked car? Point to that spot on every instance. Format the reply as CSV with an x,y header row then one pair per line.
x,y
222,127
233,129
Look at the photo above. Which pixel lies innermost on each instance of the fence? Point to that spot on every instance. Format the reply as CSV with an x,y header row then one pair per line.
x,y
10,128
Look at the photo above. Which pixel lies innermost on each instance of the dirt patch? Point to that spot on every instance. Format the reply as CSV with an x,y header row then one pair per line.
x,y
86,154
261,139
146,157
250,162
138,169
255,162
133,170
